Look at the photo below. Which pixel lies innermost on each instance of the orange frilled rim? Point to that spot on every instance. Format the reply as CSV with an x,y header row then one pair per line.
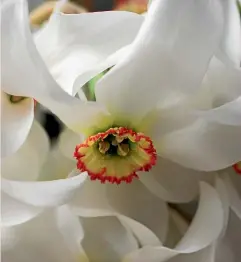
x,y
105,167
237,168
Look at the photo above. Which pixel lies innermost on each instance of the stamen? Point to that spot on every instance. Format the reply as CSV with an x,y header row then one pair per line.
x,y
104,146
115,155
123,149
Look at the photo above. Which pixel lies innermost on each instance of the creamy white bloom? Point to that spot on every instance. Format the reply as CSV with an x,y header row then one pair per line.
x,y
97,38
58,235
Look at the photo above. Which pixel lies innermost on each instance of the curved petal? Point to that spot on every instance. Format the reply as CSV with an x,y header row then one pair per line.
x,y
229,114
44,193
142,233
31,76
40,239
136,202
203,146
203,231
106,239
57,166
172,182
230,49
14,212
228,248
91,200
164,58
26,163
16,121
68,140
77,43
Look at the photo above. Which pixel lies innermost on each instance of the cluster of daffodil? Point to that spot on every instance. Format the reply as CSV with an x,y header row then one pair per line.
x,y
148,166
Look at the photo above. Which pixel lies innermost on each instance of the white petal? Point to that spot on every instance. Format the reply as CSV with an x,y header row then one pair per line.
x,y
164,58
38,240
230,48
106,239
57,166
234,197
44,193
177,228
136,202
144,235
31,76
68,140
204,146
78,43
201,233
228,248
26,163
229,113
14,212
91,200
172,182
16,121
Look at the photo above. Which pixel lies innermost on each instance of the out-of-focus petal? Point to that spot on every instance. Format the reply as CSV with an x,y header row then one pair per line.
x,y
203,231
164,58
203,146
16,121
136,202
230,49
91,200
26,163
106,239
172,182
72,45
44,193
40,239
32,78
68,140
14,212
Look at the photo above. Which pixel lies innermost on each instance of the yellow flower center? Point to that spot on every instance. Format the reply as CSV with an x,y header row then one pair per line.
x,y
115,155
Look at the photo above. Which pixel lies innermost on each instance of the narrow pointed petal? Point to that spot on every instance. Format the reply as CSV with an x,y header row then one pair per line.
x,y
164,58
204,145
78,43
33,152
172,182
203,231
31,76
16,121
41,239
106,239
136,202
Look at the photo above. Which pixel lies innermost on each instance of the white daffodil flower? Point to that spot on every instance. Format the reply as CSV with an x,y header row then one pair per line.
x,y
98,39
144,105
58,236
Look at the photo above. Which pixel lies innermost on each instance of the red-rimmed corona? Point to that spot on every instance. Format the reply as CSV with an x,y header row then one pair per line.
x,y
115,155
237,168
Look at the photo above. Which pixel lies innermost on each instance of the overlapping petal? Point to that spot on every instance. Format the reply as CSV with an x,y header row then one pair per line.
x,y
203,145
106,239
172,182
28,160
16,121
201,233
78,43
43,239
31,77
164,58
